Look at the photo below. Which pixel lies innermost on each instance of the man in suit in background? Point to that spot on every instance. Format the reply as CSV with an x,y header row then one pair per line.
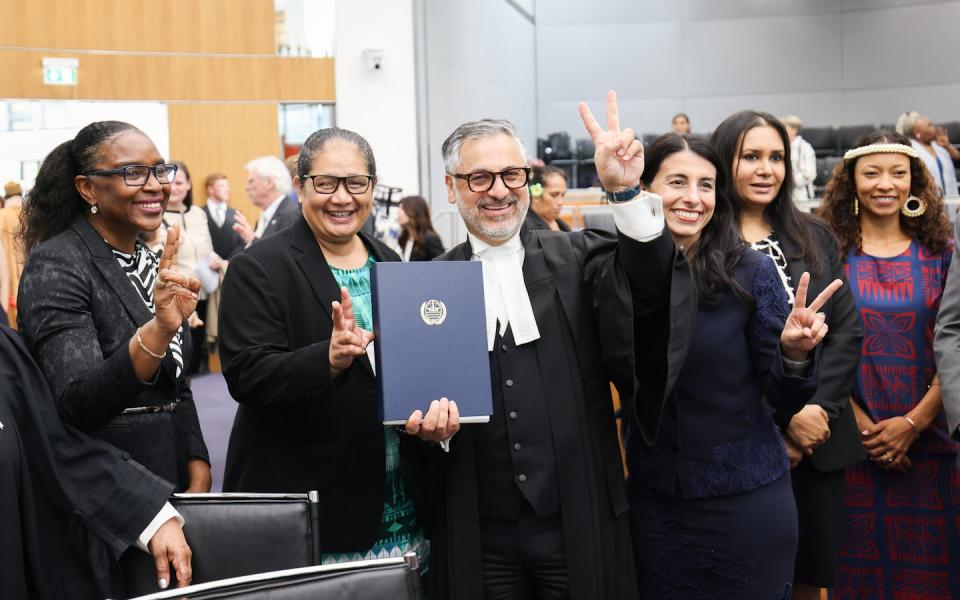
x,y
221,218
268,183
946,344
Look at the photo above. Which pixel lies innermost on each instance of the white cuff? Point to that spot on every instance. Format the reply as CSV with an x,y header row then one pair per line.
x,y
166,513
640,218
445,444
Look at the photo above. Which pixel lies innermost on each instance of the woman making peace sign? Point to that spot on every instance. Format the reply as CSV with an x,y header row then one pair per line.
x,y
712,513
101,313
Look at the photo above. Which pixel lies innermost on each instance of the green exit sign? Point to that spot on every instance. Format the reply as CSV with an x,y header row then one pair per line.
x,y
60,71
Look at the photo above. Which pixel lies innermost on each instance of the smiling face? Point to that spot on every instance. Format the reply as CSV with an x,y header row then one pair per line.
x,y
883,184
549,204
758,166
178,191
336,218
687,183
496,215
123,210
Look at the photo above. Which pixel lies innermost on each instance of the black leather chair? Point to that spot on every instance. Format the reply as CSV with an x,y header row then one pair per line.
x,y
386,579
824,140
849,134
825,166
237,534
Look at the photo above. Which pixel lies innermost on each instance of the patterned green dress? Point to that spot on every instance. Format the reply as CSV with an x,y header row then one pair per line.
x,y
399,531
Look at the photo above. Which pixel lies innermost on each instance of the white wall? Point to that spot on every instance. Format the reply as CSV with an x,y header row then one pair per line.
x,y
475,60
379,105
833,62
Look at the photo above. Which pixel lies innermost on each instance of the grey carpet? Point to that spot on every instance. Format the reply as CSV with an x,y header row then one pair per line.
x,y
216,410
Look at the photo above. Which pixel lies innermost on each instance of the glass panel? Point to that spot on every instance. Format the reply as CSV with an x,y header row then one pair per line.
x,y
298,121
304,27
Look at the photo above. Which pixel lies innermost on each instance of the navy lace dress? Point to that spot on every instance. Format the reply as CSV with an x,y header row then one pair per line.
x,y
712,510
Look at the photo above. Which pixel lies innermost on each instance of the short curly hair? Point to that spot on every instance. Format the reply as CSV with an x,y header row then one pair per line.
x,y
931,228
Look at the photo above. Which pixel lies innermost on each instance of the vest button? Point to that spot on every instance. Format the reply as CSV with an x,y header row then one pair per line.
x,y
513,414
504,347
509,383
521,477
517,446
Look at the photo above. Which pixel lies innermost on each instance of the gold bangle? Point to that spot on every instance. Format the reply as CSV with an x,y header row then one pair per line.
x,y
912,424
147,350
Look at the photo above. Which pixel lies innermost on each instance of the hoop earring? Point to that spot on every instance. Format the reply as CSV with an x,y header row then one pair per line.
x,y
94,209
856,206
914,207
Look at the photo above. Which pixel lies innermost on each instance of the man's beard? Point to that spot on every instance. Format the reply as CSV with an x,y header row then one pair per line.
x,y
499,230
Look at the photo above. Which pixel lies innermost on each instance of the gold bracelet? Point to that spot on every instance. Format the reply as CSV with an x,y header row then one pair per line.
x,y
912,424
147,350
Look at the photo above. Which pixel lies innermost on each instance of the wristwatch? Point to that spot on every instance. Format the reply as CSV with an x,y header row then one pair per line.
x,y
624,196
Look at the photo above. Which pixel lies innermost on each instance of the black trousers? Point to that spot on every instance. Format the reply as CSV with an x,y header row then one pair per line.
x,y
524,559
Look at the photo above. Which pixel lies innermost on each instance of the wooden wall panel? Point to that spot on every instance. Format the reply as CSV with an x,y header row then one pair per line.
x,y
172,77
225,26
223,137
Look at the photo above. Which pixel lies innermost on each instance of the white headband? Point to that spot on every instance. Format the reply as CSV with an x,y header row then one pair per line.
x,y
881,148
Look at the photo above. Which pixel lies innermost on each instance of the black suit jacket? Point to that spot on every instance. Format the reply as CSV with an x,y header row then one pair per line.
x,y
78,311
286,215
840,351
70,504
226,241
296,429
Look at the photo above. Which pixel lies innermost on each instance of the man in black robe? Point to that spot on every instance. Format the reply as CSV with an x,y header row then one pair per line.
x,y
70,504
533,504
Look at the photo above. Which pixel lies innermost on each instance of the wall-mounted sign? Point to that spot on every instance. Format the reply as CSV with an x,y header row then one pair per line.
x,y
60,71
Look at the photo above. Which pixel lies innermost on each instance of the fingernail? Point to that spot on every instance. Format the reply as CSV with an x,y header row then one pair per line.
x,y
864,432
163,583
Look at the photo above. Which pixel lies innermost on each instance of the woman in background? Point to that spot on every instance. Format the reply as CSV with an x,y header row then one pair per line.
x,y
418,240
547,190
902,506
821,438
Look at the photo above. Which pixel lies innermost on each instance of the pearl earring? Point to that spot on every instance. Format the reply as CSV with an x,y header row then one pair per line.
x,y
94,209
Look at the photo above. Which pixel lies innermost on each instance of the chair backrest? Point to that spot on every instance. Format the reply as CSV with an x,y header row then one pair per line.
x,y
825,166
237,534
824,140
385,579
849,134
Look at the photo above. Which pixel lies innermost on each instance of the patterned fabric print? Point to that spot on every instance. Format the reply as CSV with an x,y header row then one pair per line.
x,y
771,247
902,531
141,268
399,531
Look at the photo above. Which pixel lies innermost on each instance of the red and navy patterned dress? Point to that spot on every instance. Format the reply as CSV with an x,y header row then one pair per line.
x,y
902,536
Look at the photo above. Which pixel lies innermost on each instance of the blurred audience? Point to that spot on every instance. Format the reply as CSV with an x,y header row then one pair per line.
x,y
936,157
268,184
221,217
680,124
548,187
418,240
12,252
803,160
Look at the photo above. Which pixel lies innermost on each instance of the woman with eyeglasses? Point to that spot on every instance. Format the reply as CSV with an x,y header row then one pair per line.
x,y
296,323
103,315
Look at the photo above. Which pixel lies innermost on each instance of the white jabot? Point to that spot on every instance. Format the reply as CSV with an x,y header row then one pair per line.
x,y
504,292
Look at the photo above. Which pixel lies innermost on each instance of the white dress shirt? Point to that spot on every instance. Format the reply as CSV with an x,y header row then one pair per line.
x,y
267,215
218,211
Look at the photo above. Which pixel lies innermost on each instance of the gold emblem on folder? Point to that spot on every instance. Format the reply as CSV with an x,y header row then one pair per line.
x,y
433,312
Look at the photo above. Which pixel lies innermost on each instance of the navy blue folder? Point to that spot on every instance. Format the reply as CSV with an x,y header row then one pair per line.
x,y
431,338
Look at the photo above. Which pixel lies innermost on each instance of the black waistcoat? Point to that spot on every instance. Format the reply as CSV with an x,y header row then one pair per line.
x,y
516,457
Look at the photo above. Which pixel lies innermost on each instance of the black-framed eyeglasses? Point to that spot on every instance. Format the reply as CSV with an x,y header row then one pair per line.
x,y
328,184
134,175
482,181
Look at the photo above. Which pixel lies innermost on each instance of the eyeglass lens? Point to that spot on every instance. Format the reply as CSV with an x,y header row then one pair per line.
x,y
328,184
482,181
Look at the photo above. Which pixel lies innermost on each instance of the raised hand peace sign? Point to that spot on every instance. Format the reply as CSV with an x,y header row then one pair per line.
x,y
348,340
618,155
174,294
805,327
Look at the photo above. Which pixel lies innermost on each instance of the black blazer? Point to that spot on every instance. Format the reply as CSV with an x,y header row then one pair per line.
x,y
431,248
78,311
840,351
533,222
70,504
226,241
296,429
286,215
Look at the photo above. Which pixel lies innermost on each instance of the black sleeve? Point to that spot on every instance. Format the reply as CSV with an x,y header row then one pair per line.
x,y
189,424
433,247
258,364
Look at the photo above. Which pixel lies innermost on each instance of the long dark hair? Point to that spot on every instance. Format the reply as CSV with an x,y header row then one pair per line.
x,y
54,201
182,166
717,253
787,221
418,212
931,228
